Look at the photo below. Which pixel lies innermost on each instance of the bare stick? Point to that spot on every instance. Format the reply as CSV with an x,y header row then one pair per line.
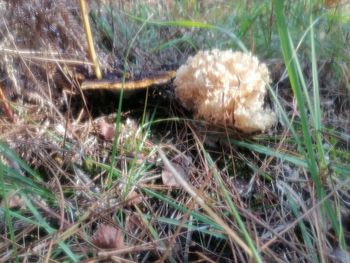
x,y
89,39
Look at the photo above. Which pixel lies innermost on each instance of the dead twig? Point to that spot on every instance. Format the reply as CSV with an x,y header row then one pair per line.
x,y
89,39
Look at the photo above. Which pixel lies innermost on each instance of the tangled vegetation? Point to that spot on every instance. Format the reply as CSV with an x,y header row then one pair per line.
x,y
132,175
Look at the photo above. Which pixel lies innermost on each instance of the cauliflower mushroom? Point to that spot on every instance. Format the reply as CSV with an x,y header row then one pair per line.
x,y
226,88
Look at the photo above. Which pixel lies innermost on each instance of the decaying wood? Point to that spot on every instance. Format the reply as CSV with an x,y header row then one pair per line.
x,y
129,85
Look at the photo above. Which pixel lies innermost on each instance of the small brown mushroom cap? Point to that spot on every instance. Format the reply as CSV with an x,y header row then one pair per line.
x,y
226,88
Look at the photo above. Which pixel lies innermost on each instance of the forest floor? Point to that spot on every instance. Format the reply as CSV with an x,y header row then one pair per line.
x,y
95,175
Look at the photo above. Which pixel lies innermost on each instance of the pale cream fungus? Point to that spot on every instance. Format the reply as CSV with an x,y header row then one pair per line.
x,y
226,88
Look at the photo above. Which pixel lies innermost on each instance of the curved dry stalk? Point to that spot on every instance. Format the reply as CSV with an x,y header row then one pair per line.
x,y
189,189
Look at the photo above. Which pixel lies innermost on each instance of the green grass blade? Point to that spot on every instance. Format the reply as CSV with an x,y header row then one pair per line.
x,y
119,109
294,77
4,211
272,152
233,209
206,229
197,216
316,99
286,120
193,24
16,181
290,61
12,156
303,228
41,222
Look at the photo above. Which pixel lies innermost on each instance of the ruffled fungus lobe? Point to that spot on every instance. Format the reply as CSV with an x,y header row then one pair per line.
x,y
226,88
